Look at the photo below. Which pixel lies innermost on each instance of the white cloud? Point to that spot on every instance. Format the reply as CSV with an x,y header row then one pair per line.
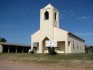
x,y
83,17
69,13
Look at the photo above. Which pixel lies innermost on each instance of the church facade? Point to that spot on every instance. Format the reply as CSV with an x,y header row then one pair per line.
x,y
67,42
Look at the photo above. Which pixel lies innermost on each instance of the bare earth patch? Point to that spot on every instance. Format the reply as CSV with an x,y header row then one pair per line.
x,y
73,65
26,62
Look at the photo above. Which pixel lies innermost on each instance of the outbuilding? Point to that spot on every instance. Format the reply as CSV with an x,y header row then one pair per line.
x,y
13,48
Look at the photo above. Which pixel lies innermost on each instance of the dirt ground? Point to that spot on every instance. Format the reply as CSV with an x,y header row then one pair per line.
x,y
9,65
31,62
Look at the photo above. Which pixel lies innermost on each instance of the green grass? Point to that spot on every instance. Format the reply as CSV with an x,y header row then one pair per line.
x,y
45,58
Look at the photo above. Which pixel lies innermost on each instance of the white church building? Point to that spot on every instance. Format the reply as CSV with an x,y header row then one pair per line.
x,y
67,42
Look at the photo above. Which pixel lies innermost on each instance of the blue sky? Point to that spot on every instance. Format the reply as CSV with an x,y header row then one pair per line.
x,y
19,19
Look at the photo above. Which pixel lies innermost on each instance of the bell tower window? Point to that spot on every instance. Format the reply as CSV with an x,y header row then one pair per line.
x,y
46,15
55,15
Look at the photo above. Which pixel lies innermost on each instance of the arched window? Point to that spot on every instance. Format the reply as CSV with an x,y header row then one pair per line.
x,y
55,15
46,15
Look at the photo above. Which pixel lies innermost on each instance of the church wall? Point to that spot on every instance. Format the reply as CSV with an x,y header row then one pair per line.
x,y
46,26
60,35
61,45
36,37
77,46
56,22
1,48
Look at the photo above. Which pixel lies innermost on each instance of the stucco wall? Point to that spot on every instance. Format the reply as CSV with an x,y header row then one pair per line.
x,y
60,35
36,37
1,48
46,26
77,46
61,46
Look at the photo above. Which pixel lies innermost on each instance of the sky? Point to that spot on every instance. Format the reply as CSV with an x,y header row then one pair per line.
x,y
19,19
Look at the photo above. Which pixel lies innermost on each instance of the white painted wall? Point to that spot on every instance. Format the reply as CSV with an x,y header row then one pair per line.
x,y
1,48
60,34
77,42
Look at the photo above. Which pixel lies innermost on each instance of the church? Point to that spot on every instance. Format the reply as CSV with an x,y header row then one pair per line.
x,y
67,42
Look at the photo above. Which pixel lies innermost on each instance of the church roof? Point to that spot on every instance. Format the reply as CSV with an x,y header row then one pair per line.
x,y
69,33
75,36
12,44
50,6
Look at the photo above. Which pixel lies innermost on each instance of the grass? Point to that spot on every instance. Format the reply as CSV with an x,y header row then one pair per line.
x,y
45,58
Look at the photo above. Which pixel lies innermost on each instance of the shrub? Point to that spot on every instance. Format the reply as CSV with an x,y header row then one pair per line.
x,y
51,50
32,52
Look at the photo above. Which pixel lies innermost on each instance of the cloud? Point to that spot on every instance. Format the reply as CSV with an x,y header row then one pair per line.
x,y
83,17
68,13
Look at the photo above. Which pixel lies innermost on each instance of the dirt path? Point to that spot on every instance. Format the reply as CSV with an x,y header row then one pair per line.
x,y
8,65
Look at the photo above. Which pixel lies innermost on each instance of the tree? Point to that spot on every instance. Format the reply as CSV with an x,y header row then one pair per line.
x,y
2,39
88,49
51,50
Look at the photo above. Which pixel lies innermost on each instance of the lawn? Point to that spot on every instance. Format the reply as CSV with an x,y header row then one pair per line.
x,y
45,58
84,60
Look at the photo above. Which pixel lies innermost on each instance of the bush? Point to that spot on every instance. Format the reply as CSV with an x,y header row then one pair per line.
x,y
51,50
32,52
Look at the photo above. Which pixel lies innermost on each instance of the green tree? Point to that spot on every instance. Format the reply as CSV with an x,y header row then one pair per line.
x,y
51,50
2,39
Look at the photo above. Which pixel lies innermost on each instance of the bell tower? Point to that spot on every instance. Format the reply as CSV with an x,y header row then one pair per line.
x,y
49,17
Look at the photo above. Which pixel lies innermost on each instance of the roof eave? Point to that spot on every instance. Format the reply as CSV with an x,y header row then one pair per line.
x,y
76,36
